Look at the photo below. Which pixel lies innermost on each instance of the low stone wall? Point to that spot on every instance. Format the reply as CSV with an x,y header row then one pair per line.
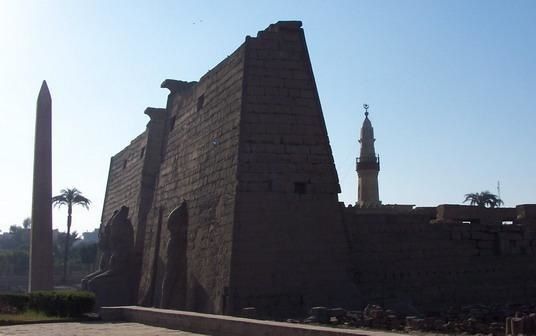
x,y
407,260
218,325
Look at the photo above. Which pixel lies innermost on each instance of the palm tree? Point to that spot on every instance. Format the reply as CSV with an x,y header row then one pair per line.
x,y
483,199
69,197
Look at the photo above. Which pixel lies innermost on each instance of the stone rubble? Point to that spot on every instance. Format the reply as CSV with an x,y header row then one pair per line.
x,y
477,319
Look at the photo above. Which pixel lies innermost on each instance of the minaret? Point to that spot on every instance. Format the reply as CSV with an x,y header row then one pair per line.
x,y
367,166
41,265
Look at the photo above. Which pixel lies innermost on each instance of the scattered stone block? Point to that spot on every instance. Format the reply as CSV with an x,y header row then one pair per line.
x,y
338,313
517,326
249,312
320,314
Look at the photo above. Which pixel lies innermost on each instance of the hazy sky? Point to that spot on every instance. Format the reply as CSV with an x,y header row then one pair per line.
x,y
451,85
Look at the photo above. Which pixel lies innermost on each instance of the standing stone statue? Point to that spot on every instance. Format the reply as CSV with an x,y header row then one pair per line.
x,y
111,287
174,284
41,263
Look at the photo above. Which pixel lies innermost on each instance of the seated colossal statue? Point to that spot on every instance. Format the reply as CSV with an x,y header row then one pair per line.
x,y
108,283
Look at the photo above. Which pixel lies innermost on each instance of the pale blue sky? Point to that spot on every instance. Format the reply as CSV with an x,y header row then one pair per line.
x,y
451,85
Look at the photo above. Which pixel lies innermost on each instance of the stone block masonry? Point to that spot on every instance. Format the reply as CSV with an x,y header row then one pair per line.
x,y
406,259
124,178
199,166
287,241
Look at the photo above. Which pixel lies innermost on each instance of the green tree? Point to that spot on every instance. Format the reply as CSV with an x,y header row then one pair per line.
x,y
27,223
18,239
483,199
69,197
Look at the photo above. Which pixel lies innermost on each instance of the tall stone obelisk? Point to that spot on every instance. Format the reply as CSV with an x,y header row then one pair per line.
x,y
41,263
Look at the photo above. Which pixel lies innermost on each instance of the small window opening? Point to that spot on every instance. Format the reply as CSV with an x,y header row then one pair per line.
x,y
142,152
200,102
172,123
300,187
124,164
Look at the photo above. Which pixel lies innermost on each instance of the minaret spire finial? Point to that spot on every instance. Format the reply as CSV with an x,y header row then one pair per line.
x,y
366,107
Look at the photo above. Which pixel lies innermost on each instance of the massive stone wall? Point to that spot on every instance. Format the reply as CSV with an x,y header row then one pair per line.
x,y
131,181
288,245
199,166
401,259
247,150
124,180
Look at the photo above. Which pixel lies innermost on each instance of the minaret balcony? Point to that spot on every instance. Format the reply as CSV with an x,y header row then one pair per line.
x,y
369,163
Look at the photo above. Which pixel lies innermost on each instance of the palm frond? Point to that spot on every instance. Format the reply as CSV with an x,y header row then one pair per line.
x,y
81,200
483,199
70,196
59,200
